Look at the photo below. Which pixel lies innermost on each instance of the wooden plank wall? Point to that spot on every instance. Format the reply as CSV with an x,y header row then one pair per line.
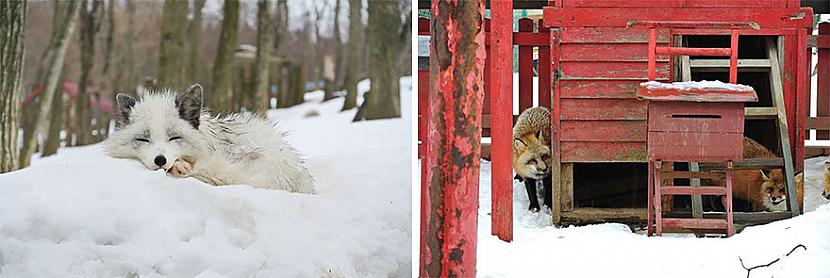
x,y
600,71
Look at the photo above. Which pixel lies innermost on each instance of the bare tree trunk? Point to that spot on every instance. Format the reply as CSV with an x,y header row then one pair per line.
x,y
51,82
220,97
194,34
83,119
340,52
297,85
12,24
264,42
352,48
53,138
29,112
172,45
103,119
385,40
128,52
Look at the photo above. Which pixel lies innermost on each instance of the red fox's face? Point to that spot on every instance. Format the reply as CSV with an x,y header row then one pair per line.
x,y
773,187
532,157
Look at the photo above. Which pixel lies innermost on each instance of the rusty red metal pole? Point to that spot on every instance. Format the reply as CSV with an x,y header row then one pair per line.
x,y
501,111
733,58
449,195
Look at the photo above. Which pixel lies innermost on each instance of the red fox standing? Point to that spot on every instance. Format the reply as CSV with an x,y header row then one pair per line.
x,y
531,153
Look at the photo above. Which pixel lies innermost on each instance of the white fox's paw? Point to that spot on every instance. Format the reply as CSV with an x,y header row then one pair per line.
x,y
180,168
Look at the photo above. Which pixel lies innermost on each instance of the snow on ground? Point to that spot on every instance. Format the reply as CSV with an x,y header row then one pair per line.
x,y
612,250
84,214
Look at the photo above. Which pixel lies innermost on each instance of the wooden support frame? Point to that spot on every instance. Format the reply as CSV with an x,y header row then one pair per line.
x,y
501,109
778,102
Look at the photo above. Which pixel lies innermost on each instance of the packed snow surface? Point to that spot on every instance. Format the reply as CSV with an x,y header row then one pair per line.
x,y
84,214
613,250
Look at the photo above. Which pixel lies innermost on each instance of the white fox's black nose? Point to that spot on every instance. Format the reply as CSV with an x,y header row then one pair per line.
x,y
160,161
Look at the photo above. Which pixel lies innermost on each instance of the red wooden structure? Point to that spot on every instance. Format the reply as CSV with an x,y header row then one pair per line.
x,y
821,122
595,62
599,59
693,121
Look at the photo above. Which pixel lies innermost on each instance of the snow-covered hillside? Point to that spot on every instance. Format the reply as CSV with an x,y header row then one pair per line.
x,y
84,214
612,250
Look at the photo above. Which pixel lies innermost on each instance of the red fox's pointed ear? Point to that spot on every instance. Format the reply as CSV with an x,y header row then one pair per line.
x,y
764,175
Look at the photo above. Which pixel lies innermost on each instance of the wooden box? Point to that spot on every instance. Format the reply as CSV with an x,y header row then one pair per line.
x,y
701,122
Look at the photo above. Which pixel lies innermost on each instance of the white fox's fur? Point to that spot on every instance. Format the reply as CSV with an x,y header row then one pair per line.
x,y
235,149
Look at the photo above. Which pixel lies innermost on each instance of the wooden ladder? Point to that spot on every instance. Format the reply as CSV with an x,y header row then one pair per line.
x,y
776,112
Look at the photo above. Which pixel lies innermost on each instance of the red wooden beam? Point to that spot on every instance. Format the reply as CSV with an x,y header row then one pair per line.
x,y
823,79
501,109
693,51
733,58
544,67
621,17
525,67
449,195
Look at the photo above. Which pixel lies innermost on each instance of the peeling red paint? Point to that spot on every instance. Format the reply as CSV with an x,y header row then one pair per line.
x,y
452,146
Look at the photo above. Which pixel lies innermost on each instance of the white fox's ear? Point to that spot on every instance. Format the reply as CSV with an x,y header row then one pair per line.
x,y
189,104
124,104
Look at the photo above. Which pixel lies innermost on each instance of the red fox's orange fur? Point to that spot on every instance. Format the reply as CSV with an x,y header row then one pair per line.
x,y
765,191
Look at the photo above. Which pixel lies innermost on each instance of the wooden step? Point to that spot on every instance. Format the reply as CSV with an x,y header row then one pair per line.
x,y
670,223
689,175
722,65
760,113
693,190
747,164
743,218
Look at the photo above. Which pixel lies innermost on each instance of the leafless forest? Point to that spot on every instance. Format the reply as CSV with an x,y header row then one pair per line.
x,y
64,61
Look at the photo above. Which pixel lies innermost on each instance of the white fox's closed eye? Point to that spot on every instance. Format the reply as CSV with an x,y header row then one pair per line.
x,y
142,140
175,138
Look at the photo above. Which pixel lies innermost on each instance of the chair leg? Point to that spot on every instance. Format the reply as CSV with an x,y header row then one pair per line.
x,y
658,211
650,201
730,229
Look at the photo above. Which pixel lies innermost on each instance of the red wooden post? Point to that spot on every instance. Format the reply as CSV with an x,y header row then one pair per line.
x,y
823,86
449,198
501,108
525,67
544,69
652,55
733,58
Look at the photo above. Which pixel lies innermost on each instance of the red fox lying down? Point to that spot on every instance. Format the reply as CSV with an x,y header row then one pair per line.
x,y
766,191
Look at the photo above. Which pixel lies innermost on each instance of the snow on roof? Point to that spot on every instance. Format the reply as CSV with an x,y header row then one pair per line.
x,y
696,91
696,85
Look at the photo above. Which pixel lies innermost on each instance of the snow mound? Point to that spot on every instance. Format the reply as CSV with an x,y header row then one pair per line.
x,y
84,214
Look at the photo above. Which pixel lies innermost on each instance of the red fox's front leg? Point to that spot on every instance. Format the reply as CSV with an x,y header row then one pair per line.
x,y
180,168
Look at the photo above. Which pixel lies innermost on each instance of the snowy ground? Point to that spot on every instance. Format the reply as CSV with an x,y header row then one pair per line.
x,y
612,250
83,214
